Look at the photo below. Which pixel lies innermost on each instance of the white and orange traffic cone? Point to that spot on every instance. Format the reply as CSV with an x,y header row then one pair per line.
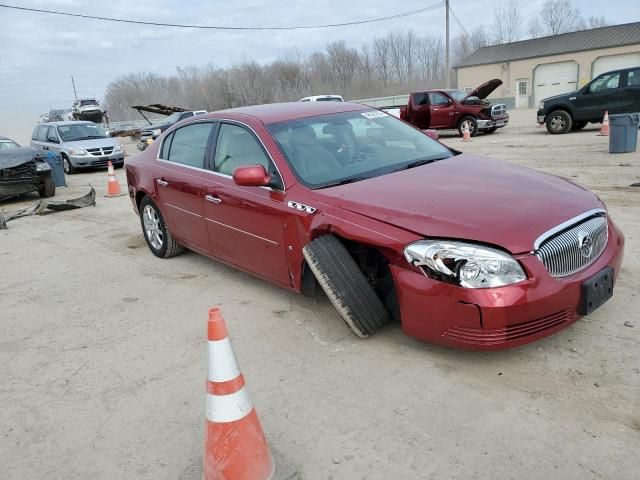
x,y
604,129
113,187
235,445
466,134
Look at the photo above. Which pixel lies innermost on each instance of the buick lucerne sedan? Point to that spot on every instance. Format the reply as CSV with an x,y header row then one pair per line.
x,y
462,250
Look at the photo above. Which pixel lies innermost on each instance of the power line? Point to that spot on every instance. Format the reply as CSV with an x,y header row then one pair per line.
x,y
455,17
220,27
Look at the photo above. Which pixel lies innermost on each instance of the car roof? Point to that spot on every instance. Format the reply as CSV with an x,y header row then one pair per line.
x,y
280,112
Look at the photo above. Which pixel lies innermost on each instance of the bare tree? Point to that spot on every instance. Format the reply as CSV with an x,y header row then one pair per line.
x,y
560,16
343,61
535,28
506,22
464,45
597,22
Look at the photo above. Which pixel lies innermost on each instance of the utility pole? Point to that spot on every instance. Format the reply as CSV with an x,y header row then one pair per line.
x,y
76,93
447,80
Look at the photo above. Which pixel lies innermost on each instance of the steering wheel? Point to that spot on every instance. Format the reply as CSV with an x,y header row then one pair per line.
x,y
366,151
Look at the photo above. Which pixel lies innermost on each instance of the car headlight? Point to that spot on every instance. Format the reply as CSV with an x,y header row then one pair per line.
x,y
157,132
540,105
42,167
77,152
117,148
464,264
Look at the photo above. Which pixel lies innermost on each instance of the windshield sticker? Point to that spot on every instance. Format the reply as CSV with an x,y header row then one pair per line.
x,y
373,114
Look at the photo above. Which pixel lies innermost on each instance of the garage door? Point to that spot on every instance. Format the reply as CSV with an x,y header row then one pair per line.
x,y
555,78
614,62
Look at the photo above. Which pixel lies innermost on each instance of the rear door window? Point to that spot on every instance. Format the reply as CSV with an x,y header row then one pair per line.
x,y
34,135
189,144
166,144
633,78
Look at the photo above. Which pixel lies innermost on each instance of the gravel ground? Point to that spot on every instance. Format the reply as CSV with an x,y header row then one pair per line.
x,y
102,353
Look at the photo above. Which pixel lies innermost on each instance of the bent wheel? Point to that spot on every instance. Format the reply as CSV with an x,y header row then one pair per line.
x,y
158,237
345,285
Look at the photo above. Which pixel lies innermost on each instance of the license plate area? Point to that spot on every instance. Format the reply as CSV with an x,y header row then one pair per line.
x,y
597,290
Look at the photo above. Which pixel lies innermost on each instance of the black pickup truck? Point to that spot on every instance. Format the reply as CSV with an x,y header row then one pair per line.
x,y
617,91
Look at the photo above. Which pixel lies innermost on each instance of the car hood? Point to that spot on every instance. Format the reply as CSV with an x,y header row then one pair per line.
x,y
484,90
467,197
12,157
92,143
562,96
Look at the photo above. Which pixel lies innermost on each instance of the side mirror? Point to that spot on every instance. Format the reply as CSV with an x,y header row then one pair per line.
x,y
251,176
53,140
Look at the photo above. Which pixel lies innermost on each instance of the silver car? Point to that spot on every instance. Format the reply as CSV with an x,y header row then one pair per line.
x,y
80,144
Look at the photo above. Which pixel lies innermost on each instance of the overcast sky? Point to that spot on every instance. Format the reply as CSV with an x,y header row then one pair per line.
x,y
39,52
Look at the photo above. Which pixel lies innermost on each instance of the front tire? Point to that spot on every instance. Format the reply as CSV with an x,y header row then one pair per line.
x,y
471,123
159,239
579,126
48,188
559,122
68,168
345,285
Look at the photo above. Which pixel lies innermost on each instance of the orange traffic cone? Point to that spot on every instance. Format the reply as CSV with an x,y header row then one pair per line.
x,y
235,445
113,187
466,134
604,129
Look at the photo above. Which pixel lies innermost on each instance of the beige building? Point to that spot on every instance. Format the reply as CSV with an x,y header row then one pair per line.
x,y
532,70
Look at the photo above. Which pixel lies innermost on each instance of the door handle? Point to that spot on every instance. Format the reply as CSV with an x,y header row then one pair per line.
x,y
162,183
212,199
435,109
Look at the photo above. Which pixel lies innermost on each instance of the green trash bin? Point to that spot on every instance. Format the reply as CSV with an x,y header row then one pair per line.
x,y
623,134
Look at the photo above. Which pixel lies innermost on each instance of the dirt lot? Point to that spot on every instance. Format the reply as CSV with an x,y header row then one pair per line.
x,y
102,356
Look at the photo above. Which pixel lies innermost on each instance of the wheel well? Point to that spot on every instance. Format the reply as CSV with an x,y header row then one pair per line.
x,y
139,196
561,107
375,267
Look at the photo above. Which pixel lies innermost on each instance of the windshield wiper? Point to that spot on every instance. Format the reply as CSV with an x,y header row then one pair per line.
x,y
422,161
89,137
343,182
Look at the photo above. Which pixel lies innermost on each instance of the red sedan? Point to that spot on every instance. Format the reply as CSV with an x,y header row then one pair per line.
x,y
463,250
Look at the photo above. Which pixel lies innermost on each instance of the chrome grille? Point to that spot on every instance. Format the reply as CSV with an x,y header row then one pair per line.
x,y
97,152
499,109
575,248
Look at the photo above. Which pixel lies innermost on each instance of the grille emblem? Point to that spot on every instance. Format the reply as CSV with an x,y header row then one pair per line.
x,y
585,244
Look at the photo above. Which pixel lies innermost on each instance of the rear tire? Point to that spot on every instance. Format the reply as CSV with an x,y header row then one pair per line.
x,y
559,122
471,123
159,239
48,188
345,285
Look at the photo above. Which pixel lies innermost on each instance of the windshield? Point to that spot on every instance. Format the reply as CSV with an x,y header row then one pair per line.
x,y
173,118
327,150
6,144
80,131
458,94
84,103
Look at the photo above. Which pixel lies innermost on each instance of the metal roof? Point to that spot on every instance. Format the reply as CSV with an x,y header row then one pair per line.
x,y
604,37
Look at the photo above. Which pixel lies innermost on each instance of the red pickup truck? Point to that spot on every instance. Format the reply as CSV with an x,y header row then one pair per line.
x,y
449,109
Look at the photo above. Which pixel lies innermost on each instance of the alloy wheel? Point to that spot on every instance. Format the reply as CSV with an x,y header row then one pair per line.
x,y
152,226
558,123
468,124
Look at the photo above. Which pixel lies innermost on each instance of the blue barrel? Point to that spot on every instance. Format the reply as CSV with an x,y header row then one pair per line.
x,y
623,134
57,170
